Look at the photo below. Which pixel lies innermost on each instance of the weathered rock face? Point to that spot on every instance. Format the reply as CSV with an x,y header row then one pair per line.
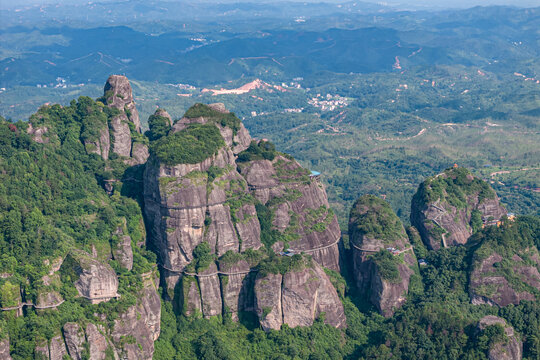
x,y
213,201
121,135
299,205
383,259
139,153
100,146
505,263
119,95
443,207
180,199
74,339
38,133
268,301
141,322
4,349
48,299
98,343
125,141
236,288
122,252
511,349
57,348
97,281
297,299
488,284
185,207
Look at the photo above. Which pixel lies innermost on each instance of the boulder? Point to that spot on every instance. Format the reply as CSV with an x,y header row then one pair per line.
x,y
75,339
510,348
96,281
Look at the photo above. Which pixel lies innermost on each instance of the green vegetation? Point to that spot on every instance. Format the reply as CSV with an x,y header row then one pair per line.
x,y
224,119
52,203
283,264
262,150
190,146
374,218
202,257
387,265
159,127
519,239
453,186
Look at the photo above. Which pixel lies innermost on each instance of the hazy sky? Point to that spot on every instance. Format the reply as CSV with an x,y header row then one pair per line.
x,y
414,3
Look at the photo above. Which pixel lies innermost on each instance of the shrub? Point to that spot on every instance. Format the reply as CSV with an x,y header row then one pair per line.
x,y
190,146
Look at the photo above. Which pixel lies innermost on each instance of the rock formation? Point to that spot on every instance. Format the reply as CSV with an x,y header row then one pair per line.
x,y
383,259
119,95
299,207
509,348
96,281
449,207
57,348
122,251
140,322
215,200
297,298
505,265
98,344
4,348
124,127
74,339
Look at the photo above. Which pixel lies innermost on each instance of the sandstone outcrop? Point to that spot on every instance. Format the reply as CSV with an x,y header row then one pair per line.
x,y
101,145
119,95
505,265
74,339
510,348
216,201
125,128
4,348
140,322
96,281
297,298
299,206
57,348
236,288
122,251
98,343
383,259
449,207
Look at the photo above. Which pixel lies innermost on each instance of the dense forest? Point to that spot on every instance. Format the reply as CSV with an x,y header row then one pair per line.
x,y
53,202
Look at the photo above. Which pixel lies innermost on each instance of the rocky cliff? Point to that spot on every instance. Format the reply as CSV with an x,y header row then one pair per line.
x,y
218,196
508,345
383,259
295,291
506,264
194,200
4,347
297,204
450,206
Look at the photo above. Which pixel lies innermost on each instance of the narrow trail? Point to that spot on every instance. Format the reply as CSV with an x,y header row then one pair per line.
x,y
20,306
375,251
243,272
